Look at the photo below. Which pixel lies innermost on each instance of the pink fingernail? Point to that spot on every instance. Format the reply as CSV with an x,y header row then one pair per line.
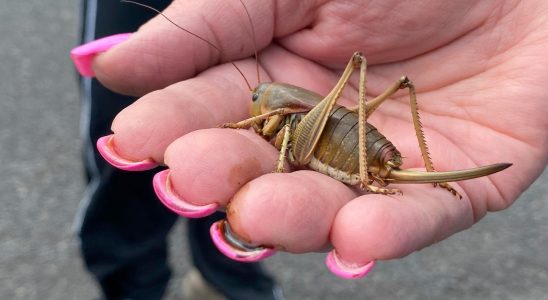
x,y
171,200
83,55
347,270
106,148
239,254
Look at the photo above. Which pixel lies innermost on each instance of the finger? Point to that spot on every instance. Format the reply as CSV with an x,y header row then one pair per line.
x,y
160,53
375,227
211,165
293,212
145,129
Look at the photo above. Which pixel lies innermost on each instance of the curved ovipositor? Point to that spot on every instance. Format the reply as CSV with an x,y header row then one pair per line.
x,y
231,246
174,202
106,149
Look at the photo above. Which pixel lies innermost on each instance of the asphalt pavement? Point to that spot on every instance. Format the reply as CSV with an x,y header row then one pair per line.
x,y
505,256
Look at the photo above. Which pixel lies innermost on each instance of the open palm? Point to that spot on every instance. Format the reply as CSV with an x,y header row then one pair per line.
x,y
479,68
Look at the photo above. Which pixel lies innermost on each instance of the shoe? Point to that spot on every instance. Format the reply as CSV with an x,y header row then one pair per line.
x,y
195,287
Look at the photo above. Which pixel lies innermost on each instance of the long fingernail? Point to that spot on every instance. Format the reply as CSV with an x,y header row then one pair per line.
x,y
235,249
83,55
106,148
347,270
171,200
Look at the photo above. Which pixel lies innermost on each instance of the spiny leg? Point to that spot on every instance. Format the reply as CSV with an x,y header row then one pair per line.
x,y
420,136
362,138
384,191
250,121
402,83
372,105
284,134
364,111
418,125
309,130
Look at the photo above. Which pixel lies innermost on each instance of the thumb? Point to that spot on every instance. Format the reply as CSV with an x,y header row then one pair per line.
x,y
160,53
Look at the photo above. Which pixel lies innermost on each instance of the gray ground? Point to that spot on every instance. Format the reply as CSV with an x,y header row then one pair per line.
x,y
503,257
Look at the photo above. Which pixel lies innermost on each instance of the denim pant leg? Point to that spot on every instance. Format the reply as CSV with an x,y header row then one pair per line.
x,y
123,227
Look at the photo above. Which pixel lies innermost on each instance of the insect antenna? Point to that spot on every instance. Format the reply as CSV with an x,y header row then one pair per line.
x,y
201,38
254,41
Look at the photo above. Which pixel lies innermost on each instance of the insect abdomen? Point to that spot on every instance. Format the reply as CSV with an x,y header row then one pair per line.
x,y
337,152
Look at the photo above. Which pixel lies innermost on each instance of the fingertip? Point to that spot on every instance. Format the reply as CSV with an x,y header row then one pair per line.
x,y
146,127
213,164
226,245
347,270
367,229
387,227
164,191
105,146
83,55
293,212
133,67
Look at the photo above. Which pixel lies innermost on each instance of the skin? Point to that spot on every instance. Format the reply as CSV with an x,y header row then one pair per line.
x,y
480,70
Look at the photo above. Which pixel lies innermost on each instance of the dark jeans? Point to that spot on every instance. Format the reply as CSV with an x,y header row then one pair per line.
x,y
122,226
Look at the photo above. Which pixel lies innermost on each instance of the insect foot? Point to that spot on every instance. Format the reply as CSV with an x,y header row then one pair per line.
x,y
228,125
384,191
448,187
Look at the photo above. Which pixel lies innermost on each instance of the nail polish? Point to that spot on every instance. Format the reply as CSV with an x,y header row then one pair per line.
x,y
234,249
106,149
166,194
83,55
347,270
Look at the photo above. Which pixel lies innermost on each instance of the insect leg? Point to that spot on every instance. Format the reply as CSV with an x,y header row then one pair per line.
x,y
420,136
362,117
364,111
284,134
308,132
249,122
372,105
403,83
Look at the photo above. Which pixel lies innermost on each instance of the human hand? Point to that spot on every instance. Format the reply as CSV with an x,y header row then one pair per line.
x,y
471,62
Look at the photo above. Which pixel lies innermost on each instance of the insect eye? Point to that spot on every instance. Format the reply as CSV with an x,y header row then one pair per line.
x,y
255,97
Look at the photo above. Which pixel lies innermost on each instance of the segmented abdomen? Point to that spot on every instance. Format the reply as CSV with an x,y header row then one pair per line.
x,y
337,149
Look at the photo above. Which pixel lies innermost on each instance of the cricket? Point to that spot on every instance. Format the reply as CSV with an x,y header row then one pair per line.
x,y
313,131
